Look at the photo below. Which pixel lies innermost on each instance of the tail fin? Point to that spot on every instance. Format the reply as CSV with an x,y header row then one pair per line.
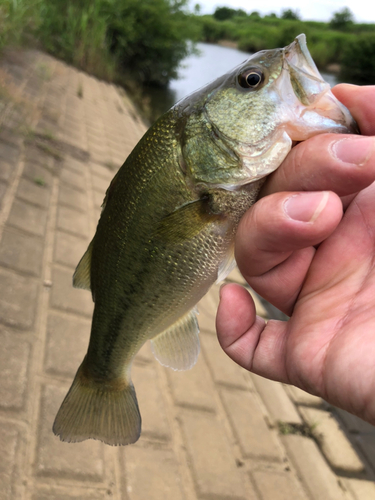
x,y
107,411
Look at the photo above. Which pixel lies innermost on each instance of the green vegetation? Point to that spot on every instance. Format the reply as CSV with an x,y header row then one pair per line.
x,y
113,39
358,60
142,42
286,429
39,181
341,41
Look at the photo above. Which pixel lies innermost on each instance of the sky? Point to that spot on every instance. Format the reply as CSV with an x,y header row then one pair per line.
x,y
315,10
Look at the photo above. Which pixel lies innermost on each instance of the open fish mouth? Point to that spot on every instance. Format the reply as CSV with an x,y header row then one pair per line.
x,y
317,108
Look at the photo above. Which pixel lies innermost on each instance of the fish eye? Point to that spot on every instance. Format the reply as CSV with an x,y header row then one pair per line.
x,y
251,78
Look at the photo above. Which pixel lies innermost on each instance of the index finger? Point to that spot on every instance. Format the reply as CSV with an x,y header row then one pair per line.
x,y
317,164
360,100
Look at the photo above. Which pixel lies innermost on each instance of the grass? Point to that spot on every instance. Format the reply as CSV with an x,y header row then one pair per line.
x,y
287,429
40,181
80,91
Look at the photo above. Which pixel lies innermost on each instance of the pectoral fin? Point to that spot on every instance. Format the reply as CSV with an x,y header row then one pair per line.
x,y
226,266
81,276
186,221
178,347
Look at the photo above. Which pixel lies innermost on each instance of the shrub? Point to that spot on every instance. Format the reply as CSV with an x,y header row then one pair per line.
x,y
358,60
149,38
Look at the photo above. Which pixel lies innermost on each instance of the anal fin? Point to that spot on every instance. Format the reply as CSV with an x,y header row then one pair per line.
x,y
178,346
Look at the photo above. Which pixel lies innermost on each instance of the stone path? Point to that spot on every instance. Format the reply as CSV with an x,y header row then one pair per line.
x,y
215,432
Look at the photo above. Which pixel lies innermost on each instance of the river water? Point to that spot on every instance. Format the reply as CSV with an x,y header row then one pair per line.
x,y
196,70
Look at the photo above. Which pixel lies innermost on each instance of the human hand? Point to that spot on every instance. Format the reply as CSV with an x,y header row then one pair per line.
x,y
300,252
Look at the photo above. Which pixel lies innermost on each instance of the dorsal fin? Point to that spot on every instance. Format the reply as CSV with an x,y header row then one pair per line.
x,y
82,274
178,346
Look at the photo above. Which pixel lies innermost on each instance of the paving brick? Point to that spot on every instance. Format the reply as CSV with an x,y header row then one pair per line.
x,y
96,138
303,398
73,179
145,355
101,156
9,152
102,171
333,442
277,402
28,217
7,170
367,444
55,493
98,198
14,364
18,297
33,170
99,184
74,138
118,159
311,467
151,402
150,474
94,123
3,189
67,342
361,489
259,307
224,370
70,197
21,252
353,423
33,192
204,439
34,154
193,388
207,308
73,124
9,436
256,440
57,459
72,164
236,277
8,135
72,221
67,298
274,485
69,248
94,135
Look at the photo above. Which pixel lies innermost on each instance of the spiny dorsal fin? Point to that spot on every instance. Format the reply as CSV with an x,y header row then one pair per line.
x,y
178,347
81,276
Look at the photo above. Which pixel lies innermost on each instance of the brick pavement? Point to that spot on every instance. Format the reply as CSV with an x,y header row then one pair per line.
x,y
215,432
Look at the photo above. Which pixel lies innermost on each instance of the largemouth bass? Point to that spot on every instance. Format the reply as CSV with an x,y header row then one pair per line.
x,y
168,222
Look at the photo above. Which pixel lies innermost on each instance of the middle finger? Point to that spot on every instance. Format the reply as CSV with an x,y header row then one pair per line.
x,y
344,164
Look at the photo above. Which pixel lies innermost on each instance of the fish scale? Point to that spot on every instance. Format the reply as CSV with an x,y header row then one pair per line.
x,y
167,228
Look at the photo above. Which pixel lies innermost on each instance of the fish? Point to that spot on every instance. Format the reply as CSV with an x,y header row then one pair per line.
x,y
167,227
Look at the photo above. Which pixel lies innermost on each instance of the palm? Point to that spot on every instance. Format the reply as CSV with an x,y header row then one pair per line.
x,y
330,337
328,345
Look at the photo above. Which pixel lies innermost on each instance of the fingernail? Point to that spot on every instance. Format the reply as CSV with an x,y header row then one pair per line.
x,y
306,207
355,150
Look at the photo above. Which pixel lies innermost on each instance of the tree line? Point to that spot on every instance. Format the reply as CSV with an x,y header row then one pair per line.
x,y
145,40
